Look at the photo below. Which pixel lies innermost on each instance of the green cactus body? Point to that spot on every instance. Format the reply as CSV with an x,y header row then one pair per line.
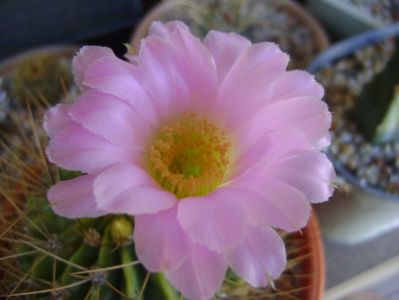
x,y
159,288
131,274
93,250
111,278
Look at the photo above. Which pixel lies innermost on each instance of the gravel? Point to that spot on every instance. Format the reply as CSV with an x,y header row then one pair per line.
x,y
375,165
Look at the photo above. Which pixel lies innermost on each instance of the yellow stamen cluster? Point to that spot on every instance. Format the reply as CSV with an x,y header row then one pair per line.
x,y
190,157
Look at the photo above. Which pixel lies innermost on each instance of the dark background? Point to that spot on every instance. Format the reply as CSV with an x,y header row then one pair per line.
x,y
26,24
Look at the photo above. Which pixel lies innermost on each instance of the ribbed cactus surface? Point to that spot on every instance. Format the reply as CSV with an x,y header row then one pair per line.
x,y
90,258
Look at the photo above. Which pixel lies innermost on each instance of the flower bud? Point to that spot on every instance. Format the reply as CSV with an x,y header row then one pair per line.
x,y
121,231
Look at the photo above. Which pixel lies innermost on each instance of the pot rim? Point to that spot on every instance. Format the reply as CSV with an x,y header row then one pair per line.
x,y
317,261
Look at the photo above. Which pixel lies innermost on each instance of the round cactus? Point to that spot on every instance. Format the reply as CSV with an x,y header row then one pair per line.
x,y
45,256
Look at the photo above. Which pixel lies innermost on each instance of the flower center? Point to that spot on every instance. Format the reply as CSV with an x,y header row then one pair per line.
x,y
190,157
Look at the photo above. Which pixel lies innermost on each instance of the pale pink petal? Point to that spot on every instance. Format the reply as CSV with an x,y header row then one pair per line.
x,y
160,242
200,275
306,114
294,84
132,58
56,119
246,87
324,142
260,257
225,48
310,172
74,198
85,57
309,115
126,188
112,118
76,148
225,223
177,71
271,202
162,78
165,29
116,77
270,147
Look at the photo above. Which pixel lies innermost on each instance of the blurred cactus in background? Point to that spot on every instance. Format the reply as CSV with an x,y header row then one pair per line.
x,y
258,20
43,77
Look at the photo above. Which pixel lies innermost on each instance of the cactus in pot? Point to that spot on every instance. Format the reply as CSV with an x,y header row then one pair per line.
x,y
45,256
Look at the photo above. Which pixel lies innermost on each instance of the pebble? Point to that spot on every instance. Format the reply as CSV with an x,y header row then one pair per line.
x,y
372,174
343,158
363,182
394,179
345,137
353,162
376,151
389,152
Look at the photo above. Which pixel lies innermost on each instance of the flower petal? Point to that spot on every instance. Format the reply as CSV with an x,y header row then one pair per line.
x,y
56,119
310,172
162,79
296,83
160,242
75,148
324,142
74,198
225,48
113,76
261,256
271,147
200,275
271,202
215,220
128,189
305,114
246,87
85,57
165,29
177,71
110,117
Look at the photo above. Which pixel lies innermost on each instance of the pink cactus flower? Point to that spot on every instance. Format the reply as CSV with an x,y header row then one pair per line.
x,y
210,145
